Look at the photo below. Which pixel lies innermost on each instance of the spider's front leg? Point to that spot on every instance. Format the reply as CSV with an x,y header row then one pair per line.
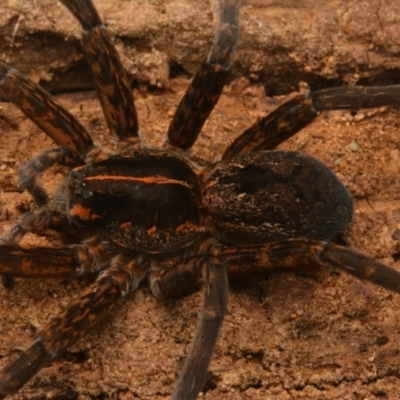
x,y
40,107
59,124
206,87
108,72
34,223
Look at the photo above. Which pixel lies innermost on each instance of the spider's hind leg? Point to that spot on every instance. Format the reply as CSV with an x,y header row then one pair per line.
x,y
304,254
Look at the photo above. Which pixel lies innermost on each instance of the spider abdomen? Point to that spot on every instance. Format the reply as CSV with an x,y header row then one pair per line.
x,y
274,195
148,201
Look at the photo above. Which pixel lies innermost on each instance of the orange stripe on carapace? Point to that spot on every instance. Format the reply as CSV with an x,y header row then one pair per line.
x,y
158,179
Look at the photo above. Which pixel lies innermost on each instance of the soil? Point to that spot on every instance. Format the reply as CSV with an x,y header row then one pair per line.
x,y
320,336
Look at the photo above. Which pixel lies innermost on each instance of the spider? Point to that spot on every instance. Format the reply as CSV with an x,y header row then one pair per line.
x,y
146,214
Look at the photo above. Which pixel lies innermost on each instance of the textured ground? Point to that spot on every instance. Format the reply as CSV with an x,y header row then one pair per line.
x,y
326,336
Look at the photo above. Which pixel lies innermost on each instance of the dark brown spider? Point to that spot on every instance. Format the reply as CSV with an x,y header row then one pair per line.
x,y
146,214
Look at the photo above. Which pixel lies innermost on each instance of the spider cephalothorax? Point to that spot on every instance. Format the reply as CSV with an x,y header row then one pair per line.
x,y
148,201
146,213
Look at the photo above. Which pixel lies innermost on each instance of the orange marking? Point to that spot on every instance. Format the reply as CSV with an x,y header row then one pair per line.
x,y
80,168
152,231
80,212
126,226
186,226
158,179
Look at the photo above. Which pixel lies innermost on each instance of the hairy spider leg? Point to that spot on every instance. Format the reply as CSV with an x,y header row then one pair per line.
x,y
121,275
30,172
38,262
206,86
110,77
38,223
46,219
215,303
58,123
302,254
295,114
207,271
40,107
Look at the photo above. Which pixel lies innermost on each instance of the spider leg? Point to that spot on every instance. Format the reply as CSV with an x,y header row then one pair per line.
x,y
206,87
29,173
39,106
295,114
40,262
37,223
214,277
122,277
112,83
55,121
93,256
303,254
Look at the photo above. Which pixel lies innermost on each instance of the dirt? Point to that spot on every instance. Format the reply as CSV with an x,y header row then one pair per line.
x,y
324,336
